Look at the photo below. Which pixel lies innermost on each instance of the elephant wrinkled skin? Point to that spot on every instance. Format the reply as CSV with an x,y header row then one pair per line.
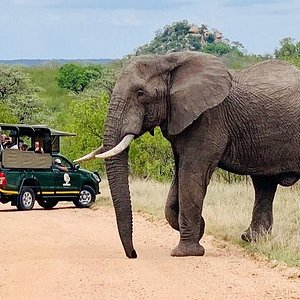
x,y
246,122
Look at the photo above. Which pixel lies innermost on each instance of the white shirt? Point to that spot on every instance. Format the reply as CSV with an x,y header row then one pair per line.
x,y
14,147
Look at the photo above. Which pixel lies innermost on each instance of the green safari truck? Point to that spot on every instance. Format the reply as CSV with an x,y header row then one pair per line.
x,y
45,176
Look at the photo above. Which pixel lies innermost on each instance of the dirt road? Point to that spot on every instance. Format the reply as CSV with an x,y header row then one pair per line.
x,y
69,253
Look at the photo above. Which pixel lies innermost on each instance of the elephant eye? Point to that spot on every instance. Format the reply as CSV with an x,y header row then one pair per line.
x,y
140,93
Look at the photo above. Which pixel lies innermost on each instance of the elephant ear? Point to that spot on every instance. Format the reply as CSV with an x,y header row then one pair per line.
x,y
198,82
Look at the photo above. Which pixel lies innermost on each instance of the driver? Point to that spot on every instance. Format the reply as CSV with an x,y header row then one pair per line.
x,y
58,164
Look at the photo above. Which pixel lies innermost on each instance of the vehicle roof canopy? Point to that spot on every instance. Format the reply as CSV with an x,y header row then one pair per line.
x,y
24,129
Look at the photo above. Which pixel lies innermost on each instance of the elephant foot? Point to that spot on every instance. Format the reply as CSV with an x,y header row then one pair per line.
x,y
253,235
184,249
247,237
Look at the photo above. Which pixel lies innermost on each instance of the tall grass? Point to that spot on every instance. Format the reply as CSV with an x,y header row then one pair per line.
x,y
227,212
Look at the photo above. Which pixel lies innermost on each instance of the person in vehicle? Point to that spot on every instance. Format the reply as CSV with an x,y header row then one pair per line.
x,y
13,146
6,141
12,142
38,148
2,141
58,164
24,147
21,142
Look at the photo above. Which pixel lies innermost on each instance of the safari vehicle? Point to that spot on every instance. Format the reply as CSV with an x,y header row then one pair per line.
x,y
27,176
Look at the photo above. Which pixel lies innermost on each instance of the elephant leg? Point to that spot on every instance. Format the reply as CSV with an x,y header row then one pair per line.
x,y
172,206
192,185
172,209
262,215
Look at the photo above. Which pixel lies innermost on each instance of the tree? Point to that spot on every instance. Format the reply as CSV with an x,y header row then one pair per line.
x,y
289,49
20,96
105,82
76,77
29,109
13,82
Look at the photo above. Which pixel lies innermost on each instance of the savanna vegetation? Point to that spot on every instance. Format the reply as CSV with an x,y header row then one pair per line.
x,y
75,98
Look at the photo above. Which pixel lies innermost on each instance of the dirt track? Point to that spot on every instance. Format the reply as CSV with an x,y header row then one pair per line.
x,y
68,253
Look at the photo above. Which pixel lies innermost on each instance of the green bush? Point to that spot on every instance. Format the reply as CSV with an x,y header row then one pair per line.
x,y
151,157
86,119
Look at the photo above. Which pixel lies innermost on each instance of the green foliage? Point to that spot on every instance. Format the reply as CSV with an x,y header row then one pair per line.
x,y
57,98
86,118
14,82
151,157
77,77
29,109
220,48
105,82
289,51
19,95
6,115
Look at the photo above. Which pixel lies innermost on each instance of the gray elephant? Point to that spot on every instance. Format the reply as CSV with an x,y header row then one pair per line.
x,y
246,123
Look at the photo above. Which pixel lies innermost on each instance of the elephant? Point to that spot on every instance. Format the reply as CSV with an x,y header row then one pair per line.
x,y
245,122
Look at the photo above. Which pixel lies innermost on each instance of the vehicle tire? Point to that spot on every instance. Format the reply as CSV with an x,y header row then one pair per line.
x,y
86,197
47,204
26,199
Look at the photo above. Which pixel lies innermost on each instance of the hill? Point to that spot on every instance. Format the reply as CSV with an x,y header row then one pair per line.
x,y
182,36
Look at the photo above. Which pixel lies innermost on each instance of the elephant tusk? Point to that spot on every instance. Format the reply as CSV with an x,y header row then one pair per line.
x,y
90,155
117,149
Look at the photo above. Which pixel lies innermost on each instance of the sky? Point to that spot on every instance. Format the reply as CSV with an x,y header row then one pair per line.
x,y
83,29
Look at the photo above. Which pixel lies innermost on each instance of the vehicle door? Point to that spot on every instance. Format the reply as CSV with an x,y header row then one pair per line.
x,y
46,180
66,183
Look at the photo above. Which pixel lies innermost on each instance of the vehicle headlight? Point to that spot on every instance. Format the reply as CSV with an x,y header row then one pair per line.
x,y
96,176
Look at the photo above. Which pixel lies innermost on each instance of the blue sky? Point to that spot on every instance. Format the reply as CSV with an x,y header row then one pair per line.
x,y
111,29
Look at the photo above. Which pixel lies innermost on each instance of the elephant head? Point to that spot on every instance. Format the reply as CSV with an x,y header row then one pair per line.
x,y
171,90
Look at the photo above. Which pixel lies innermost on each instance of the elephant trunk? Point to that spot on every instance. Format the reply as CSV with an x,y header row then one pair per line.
x,y
117,173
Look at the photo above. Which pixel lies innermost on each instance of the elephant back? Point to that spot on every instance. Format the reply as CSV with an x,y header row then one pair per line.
x,y
273,78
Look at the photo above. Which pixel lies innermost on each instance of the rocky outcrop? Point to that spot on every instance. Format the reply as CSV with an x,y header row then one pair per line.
x,y
204,34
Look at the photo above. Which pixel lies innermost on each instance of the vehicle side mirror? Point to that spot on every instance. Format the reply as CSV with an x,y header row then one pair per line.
x,y
76,166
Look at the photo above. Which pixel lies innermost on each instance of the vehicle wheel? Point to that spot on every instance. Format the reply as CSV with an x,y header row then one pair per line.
x,y
26,199
86,197
47,204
